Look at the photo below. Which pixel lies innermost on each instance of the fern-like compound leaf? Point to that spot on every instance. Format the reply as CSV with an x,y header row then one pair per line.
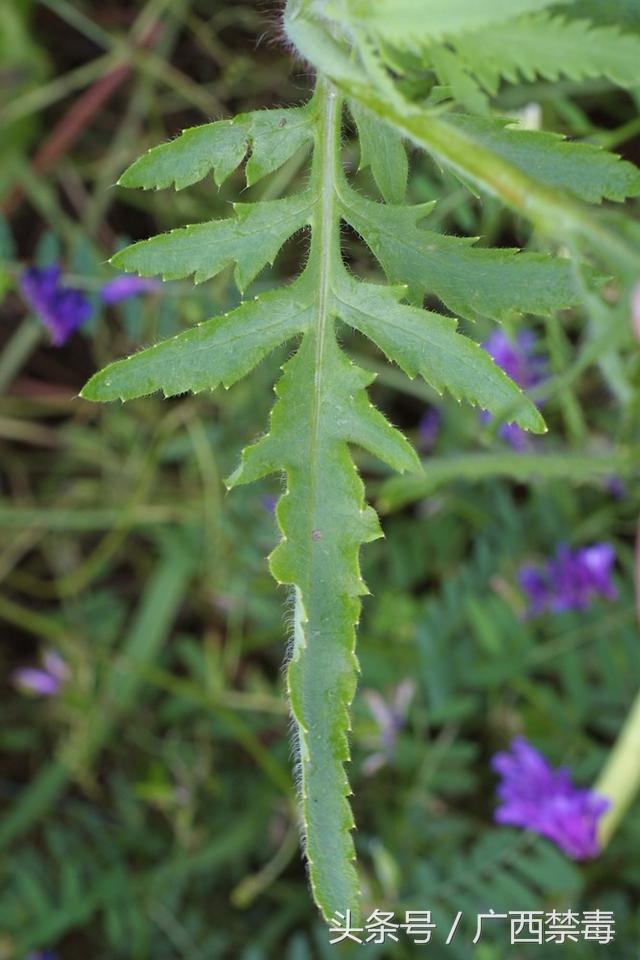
x,y
550,47
538,175
322,408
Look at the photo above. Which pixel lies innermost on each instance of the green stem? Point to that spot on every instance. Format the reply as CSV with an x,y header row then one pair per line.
x,y
620,778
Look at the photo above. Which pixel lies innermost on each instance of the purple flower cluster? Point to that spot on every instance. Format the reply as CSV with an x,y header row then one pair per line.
x,y
61,309
64,309
570,580
536,797
519,361
44,681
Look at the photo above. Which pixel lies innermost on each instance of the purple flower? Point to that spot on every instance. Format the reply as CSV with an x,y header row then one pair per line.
x,y
45,681
42,955
390,717
536,797
520,362
125,286
61,309
428,429
570,580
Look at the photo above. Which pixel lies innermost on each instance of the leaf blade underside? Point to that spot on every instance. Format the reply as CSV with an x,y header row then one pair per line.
x,y
209,354
471,281
251,239
322,407
324,521
382,150
428,344
220,147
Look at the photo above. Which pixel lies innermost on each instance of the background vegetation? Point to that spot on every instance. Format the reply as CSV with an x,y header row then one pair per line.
x,y
148,808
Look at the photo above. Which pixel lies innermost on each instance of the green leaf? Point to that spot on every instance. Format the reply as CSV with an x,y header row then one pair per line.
x,y
471,281
580,168
324,520
550,47
453,72
499,166
411,23
251,239
322,405
427,343
273,135
382,150
217,351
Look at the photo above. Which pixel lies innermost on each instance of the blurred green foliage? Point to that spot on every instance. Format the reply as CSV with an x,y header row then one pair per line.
x,y
148,809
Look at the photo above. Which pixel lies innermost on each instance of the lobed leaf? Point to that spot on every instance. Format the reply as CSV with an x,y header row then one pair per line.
x,y
322,405
324,521
382,149
217,351
471,281
587,171
273,135
427,343
550,47
251,239
510,178
413,22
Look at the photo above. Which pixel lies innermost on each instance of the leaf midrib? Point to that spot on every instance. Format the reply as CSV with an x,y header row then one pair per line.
x,y
325,243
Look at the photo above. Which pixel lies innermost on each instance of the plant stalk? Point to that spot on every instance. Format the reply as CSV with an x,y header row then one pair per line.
x,y
620,777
